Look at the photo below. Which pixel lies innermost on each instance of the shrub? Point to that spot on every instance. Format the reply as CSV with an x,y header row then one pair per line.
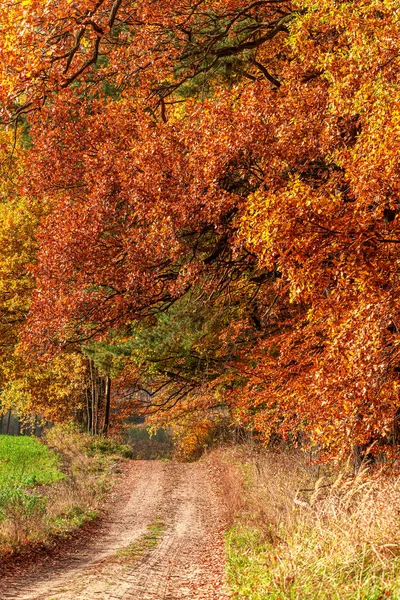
x,y
108,446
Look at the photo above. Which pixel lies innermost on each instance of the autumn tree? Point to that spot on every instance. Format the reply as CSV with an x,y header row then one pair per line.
x,y
232,161
52,390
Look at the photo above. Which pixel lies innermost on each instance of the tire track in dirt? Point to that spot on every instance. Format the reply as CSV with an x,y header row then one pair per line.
x,y
187,562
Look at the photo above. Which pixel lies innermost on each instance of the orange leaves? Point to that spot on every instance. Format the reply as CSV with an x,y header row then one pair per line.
x,y
244,156
328,205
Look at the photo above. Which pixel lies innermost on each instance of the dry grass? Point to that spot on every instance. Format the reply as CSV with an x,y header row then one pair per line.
x,y
229,475
307,532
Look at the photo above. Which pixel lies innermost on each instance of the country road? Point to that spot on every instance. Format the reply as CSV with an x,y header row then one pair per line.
x,y
187,560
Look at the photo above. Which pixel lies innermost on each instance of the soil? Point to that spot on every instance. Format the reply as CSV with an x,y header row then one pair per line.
x,y
186,562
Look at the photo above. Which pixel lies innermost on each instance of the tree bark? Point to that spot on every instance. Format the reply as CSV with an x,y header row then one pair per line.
x,y
107,405
8,422
92,412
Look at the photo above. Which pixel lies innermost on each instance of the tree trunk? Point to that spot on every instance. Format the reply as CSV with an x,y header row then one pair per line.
x,y
100,385
107,405
92,403
8,422
396,428
88,411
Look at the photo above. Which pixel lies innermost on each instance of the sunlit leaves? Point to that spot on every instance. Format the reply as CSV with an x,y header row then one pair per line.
x,y
247,150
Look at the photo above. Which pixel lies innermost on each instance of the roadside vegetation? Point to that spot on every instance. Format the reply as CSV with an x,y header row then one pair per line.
x,y
305,531
50,488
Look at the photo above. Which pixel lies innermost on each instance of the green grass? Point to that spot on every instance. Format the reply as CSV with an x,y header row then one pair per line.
x,y
260,570
26,462
142,545
247,556
38,501
73,518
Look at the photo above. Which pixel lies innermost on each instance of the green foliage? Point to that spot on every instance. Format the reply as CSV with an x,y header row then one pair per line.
x,y
72,518
108,356
226,70
185,337
16,500
107,446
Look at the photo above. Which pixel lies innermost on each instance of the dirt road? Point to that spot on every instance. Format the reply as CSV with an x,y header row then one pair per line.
x,y
185,562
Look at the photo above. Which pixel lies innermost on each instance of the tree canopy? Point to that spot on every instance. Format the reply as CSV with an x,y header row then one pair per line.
x,y
218,192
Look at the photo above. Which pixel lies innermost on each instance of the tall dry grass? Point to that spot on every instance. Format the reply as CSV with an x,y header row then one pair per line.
x,y
306,531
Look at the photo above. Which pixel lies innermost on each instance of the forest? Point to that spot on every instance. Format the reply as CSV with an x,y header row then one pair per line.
x,y
199,217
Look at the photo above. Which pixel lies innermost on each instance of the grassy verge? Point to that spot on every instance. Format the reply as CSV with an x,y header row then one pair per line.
x,y
48,490
305,534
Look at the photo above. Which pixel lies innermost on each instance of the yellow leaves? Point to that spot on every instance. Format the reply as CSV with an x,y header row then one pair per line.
x,y
85,42
53,389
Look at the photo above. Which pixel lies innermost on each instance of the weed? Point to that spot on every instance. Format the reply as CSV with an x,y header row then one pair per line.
x,y
144,544
109,447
